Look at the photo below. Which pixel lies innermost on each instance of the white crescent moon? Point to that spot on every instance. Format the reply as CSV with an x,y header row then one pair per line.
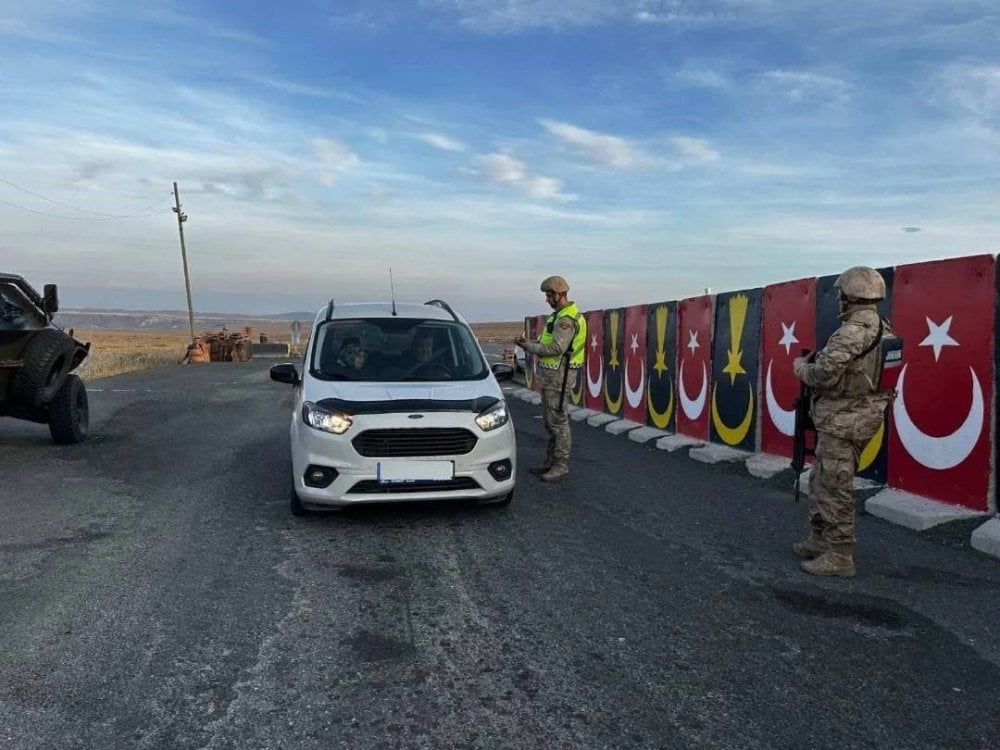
x,y
594,386
939,452
692,407
783,419
634,397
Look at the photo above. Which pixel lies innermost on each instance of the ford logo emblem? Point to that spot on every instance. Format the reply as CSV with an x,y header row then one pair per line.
x,y
416,416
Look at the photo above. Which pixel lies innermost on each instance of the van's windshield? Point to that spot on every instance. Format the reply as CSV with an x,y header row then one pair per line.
x,y
396,350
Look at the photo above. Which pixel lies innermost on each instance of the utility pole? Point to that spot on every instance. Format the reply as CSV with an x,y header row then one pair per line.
x,y
181,218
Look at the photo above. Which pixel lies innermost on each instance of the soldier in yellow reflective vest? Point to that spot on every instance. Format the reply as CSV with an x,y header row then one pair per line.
x,y
560,349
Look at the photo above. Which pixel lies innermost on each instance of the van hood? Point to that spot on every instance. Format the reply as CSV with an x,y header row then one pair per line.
x,y
471,395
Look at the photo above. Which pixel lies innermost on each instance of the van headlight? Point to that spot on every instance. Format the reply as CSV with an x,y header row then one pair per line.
x,y
326,420
493,417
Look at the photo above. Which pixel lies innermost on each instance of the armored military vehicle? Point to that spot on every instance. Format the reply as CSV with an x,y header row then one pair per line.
x,y
37,359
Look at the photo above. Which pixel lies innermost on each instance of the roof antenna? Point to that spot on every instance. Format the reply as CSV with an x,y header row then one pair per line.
x,y
392,291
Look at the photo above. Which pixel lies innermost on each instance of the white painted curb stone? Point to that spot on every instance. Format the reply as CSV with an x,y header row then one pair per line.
x,y
676,442
600,419
643,434
913,511
710,453
766,465
622,425
987,537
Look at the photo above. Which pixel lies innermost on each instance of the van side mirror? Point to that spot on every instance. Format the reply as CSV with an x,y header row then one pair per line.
x,y
502,371
50,299
285,373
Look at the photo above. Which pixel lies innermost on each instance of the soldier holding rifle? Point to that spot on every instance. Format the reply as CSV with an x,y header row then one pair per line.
x,y
848,404
560,349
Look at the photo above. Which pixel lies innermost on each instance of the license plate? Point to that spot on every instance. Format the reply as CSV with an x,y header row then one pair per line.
x,y
396,472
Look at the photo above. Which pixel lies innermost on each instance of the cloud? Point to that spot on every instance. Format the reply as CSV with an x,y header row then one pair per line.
x,y
301,89
974,90
334,157
801,87
695,150
605,150
503,169
442,142
507,16
703,78
511,16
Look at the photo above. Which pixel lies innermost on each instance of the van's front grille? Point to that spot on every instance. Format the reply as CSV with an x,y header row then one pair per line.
x,y
371,486
426,441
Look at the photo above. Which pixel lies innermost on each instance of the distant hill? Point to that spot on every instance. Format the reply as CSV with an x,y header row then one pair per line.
x,y
87,319
169,320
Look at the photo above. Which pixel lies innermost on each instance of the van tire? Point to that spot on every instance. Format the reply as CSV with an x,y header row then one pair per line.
x,y
499,502
295,504
46,358
69,413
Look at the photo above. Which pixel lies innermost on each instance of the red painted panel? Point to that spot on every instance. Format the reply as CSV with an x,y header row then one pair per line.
x,y
694,364
593,392
789,326
939,444
635,364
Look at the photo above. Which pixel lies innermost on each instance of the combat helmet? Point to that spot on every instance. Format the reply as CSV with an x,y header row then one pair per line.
x,y
556,284
861,282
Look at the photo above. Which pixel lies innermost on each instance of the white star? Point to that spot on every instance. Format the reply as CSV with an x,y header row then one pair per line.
x,y
788,337
938,336
593,341
693,341
635,343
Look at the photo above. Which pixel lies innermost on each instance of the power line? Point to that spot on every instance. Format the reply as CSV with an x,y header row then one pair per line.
x,y
145,212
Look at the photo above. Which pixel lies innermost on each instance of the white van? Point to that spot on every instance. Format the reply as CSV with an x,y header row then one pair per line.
x,y
397,402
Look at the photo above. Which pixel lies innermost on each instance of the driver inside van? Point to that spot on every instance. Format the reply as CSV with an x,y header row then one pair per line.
x,y
423,346
352,356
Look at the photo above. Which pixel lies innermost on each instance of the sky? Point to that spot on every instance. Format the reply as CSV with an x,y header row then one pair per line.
x,y
643,149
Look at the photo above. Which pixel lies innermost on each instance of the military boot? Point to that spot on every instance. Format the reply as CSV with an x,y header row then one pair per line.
x,y
811,548
555,474
837,560
541,469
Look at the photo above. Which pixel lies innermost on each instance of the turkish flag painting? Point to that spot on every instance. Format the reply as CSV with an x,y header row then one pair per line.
x,y
593,366
788,327
661,364
635,364
939,445
694,364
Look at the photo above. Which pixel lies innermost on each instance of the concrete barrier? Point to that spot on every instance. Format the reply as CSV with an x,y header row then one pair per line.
x,y
269,350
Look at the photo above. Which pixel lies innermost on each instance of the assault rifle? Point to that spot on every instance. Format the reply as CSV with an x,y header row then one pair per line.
x,y
803,424
562,391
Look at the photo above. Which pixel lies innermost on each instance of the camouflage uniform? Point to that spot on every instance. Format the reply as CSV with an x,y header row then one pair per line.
x,y
847,410
555,418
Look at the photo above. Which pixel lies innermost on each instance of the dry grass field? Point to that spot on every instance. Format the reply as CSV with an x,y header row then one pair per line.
x,y
114,352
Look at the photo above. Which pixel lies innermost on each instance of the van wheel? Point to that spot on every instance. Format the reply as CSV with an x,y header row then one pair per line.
x,y
500,502
69,412
295,505
45,359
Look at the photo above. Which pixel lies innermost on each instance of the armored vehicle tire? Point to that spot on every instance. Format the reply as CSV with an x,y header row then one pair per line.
x,y
46,357
69,412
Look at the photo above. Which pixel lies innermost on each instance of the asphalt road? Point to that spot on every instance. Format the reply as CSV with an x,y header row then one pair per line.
x,y
155,592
